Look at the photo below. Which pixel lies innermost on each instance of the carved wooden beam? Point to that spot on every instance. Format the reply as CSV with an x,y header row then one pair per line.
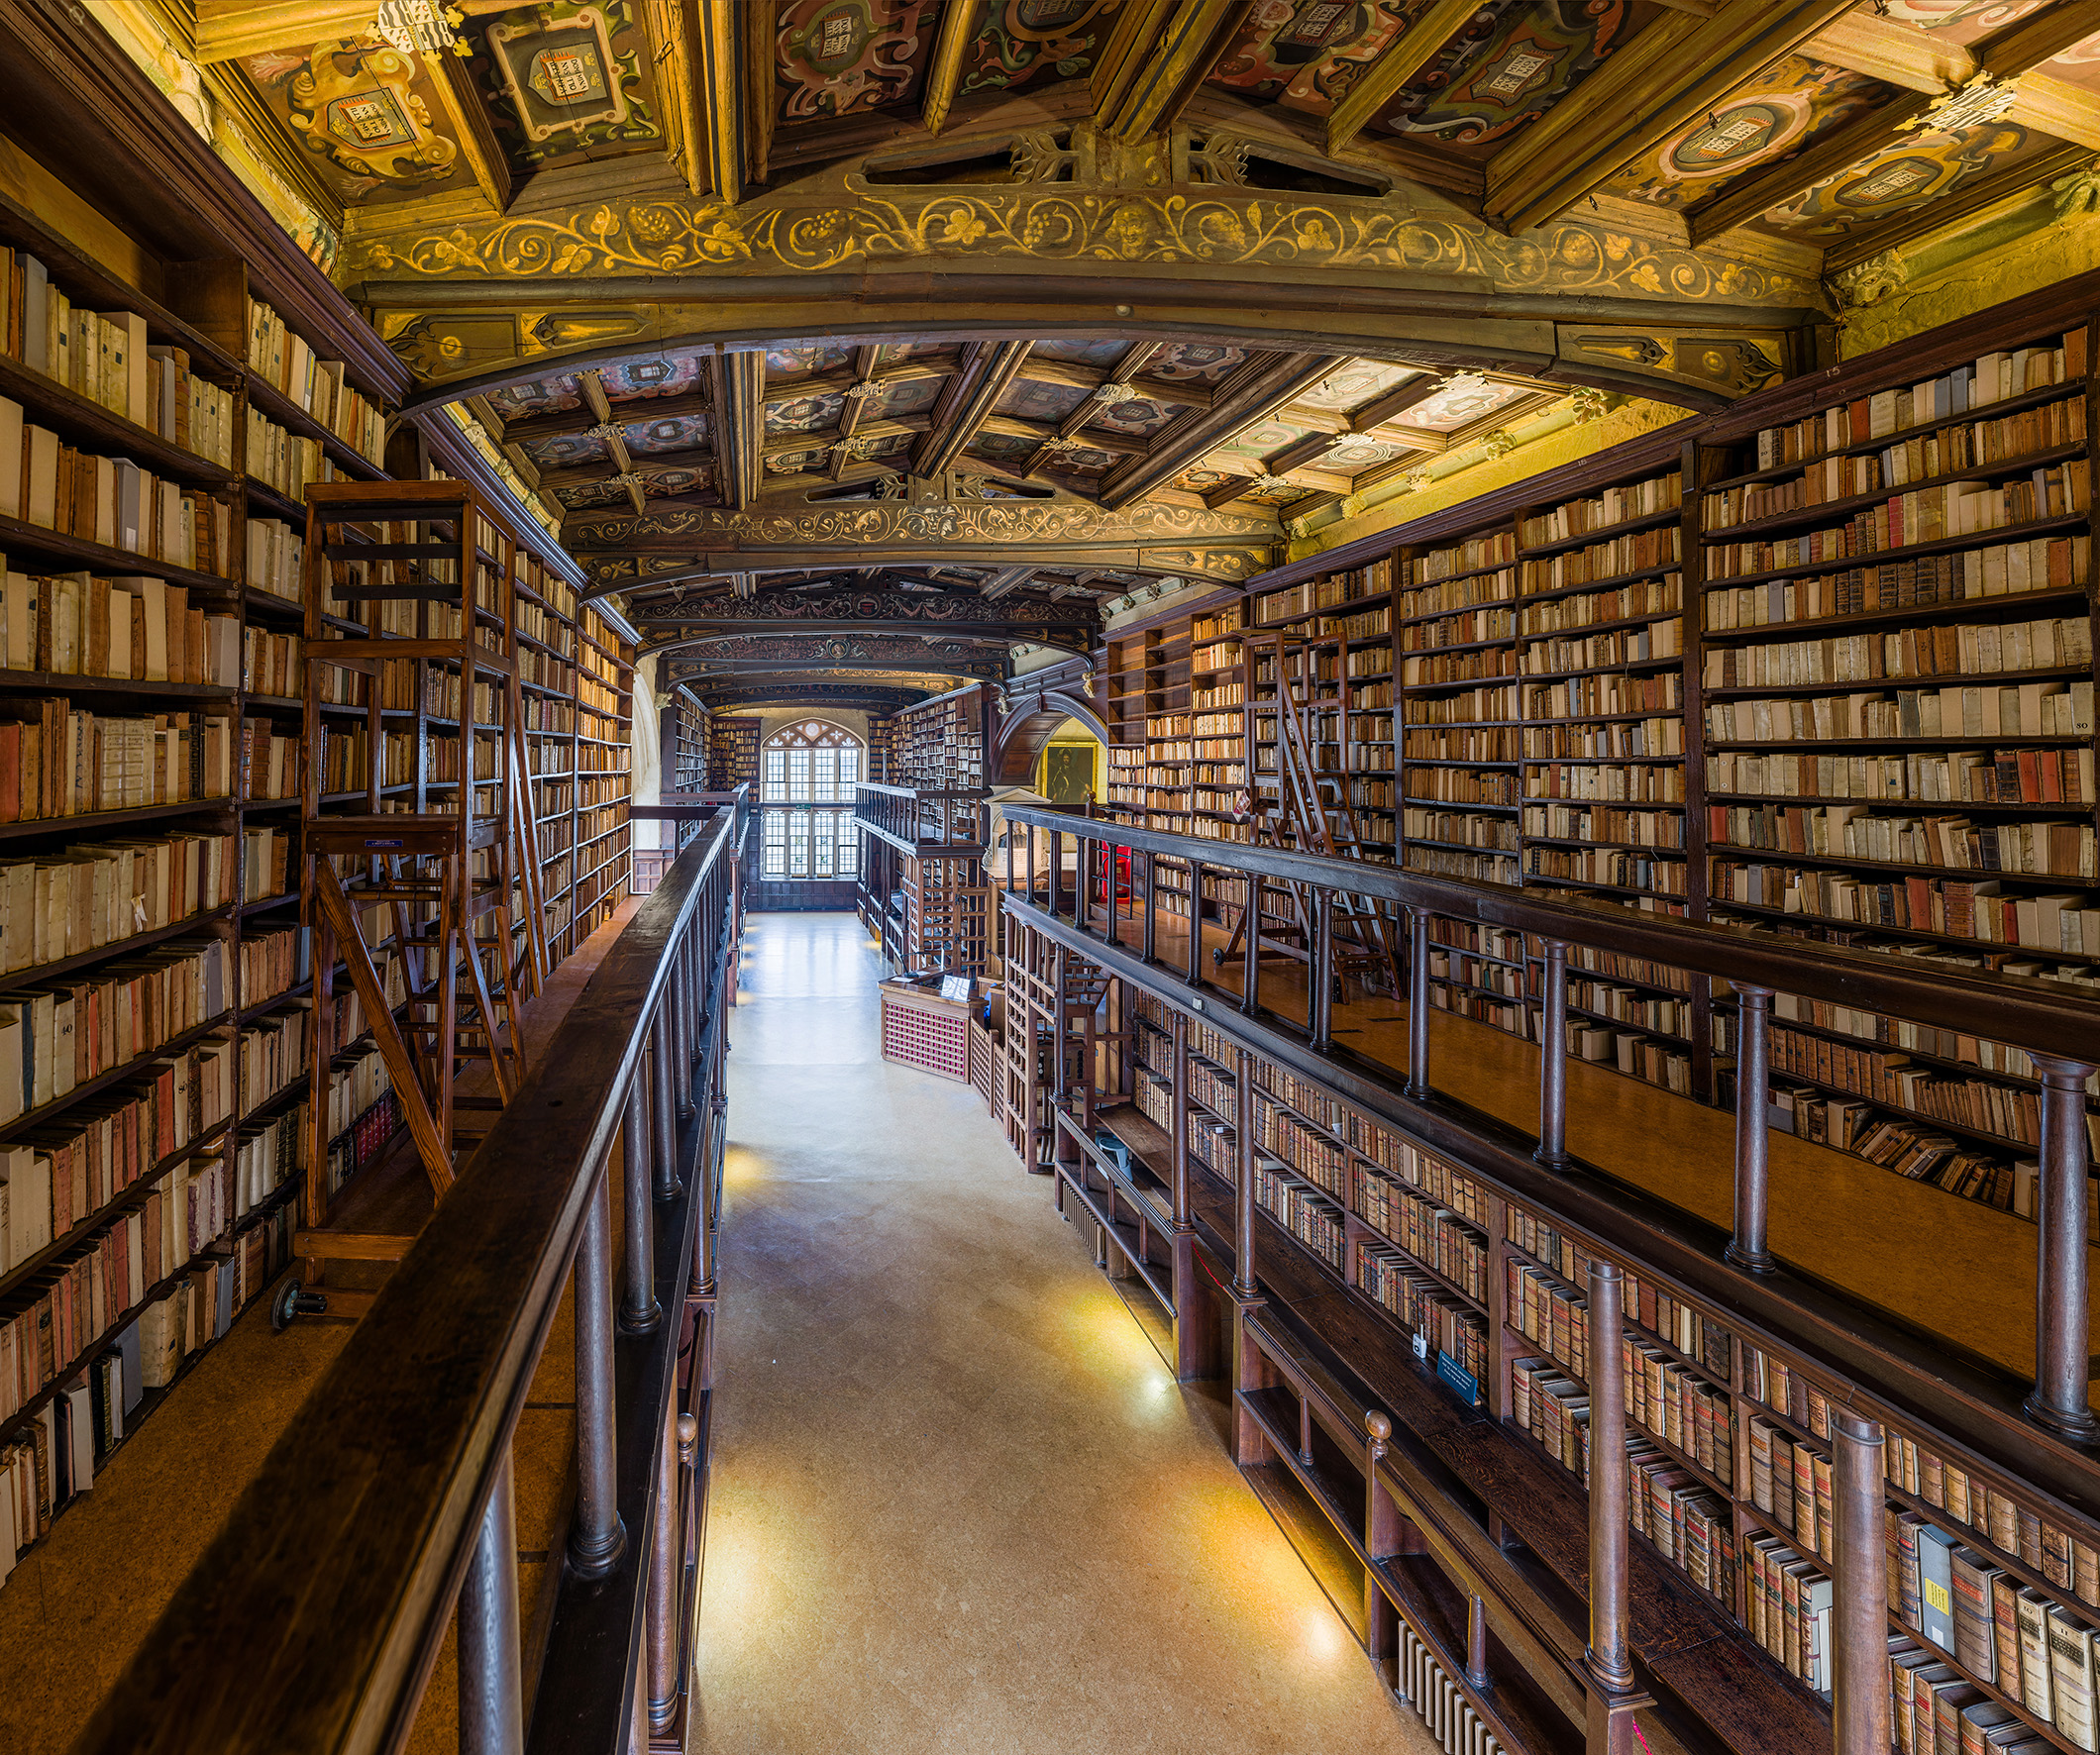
x,y
1679,69
740,426
625,462
714,97
1840,150
959,24
787,443
756,44
1380,83
1045,433
229,29
525,428
1158,55
1893,51
977,394
2042,35
864,358
473,128
1260,387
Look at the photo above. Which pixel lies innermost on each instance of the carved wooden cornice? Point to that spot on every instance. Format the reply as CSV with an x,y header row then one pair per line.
x,y
1190,540
962,612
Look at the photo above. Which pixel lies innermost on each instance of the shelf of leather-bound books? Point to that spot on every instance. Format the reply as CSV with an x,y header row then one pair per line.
x,y
1457,751
1599,618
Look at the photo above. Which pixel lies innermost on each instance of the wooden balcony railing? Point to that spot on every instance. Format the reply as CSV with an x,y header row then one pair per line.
x,y
920,823
1103,907
383,1515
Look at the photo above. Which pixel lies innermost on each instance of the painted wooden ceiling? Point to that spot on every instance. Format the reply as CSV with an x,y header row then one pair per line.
x,y
1809,133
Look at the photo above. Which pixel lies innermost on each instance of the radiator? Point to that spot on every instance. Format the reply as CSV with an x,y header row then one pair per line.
x,y
1440,1703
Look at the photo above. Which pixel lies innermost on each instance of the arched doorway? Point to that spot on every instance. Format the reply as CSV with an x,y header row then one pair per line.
x,y
809,847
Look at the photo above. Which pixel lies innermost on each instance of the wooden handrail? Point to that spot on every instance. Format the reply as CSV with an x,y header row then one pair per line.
x,y
2039,1015
312,1622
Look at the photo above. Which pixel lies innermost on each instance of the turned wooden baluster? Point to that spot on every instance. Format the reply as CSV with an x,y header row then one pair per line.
x,y
2060,1401
639,1311
665,1546
598,1536
1319,1011
1418,1006
1608,1658
1859,1676
1553,1059
491,1702
1753,1088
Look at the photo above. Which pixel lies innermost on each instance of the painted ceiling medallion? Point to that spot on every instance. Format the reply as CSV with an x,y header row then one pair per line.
x,y
559,72
356,108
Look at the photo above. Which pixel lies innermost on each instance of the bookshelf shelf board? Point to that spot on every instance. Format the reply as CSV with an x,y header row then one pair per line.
x,y
275,503
1356,1221
1923,935
1454,761
269,402
1883,684
19,538
1510,639
2005,405
1982,1135
1601,533
80,274
1899,867
261,903
1638,1028
1671,661
46,971
254,599
1913,807
2063,523
1623,846
2020,603
81,421
1549,881
1653,618
271,1002
38,828
1869,1045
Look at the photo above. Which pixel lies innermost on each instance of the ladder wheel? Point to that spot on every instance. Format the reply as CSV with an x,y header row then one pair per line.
x,y
1218,957
293,1301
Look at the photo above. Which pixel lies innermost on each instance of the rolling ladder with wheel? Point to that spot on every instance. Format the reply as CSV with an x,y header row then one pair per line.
x,y
408,588
1365,942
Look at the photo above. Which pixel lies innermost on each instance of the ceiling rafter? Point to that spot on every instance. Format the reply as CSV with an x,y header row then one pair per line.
x,y
959,23
977,394
740,426
857,394
1680,67
1132,361
1261,386
1158,55
714,96
1381,82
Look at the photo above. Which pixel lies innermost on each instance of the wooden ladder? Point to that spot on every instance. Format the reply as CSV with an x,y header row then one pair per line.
x,y
1365,940
434,878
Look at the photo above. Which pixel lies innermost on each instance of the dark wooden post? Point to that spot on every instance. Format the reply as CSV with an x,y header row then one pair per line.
x,y
1250,947
678,1007
1056,894
1554,1059
2060,1401
1753,1088
1609,1660
659,1089
1385,1535
1249,1370
1419,1008
1859,1677
639,1311
491,1701
665,1545
1196,923
598,1535
1147,932
1319,1013
1477,1643
1195,1311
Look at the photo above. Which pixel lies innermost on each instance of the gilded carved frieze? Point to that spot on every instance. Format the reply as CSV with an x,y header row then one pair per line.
x,y
893,523
1215,227
867,606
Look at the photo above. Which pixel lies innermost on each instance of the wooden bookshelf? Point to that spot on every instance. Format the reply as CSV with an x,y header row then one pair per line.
x,y
1582,707
1449,1297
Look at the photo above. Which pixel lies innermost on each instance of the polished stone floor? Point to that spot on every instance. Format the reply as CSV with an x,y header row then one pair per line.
x,y
959,1503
